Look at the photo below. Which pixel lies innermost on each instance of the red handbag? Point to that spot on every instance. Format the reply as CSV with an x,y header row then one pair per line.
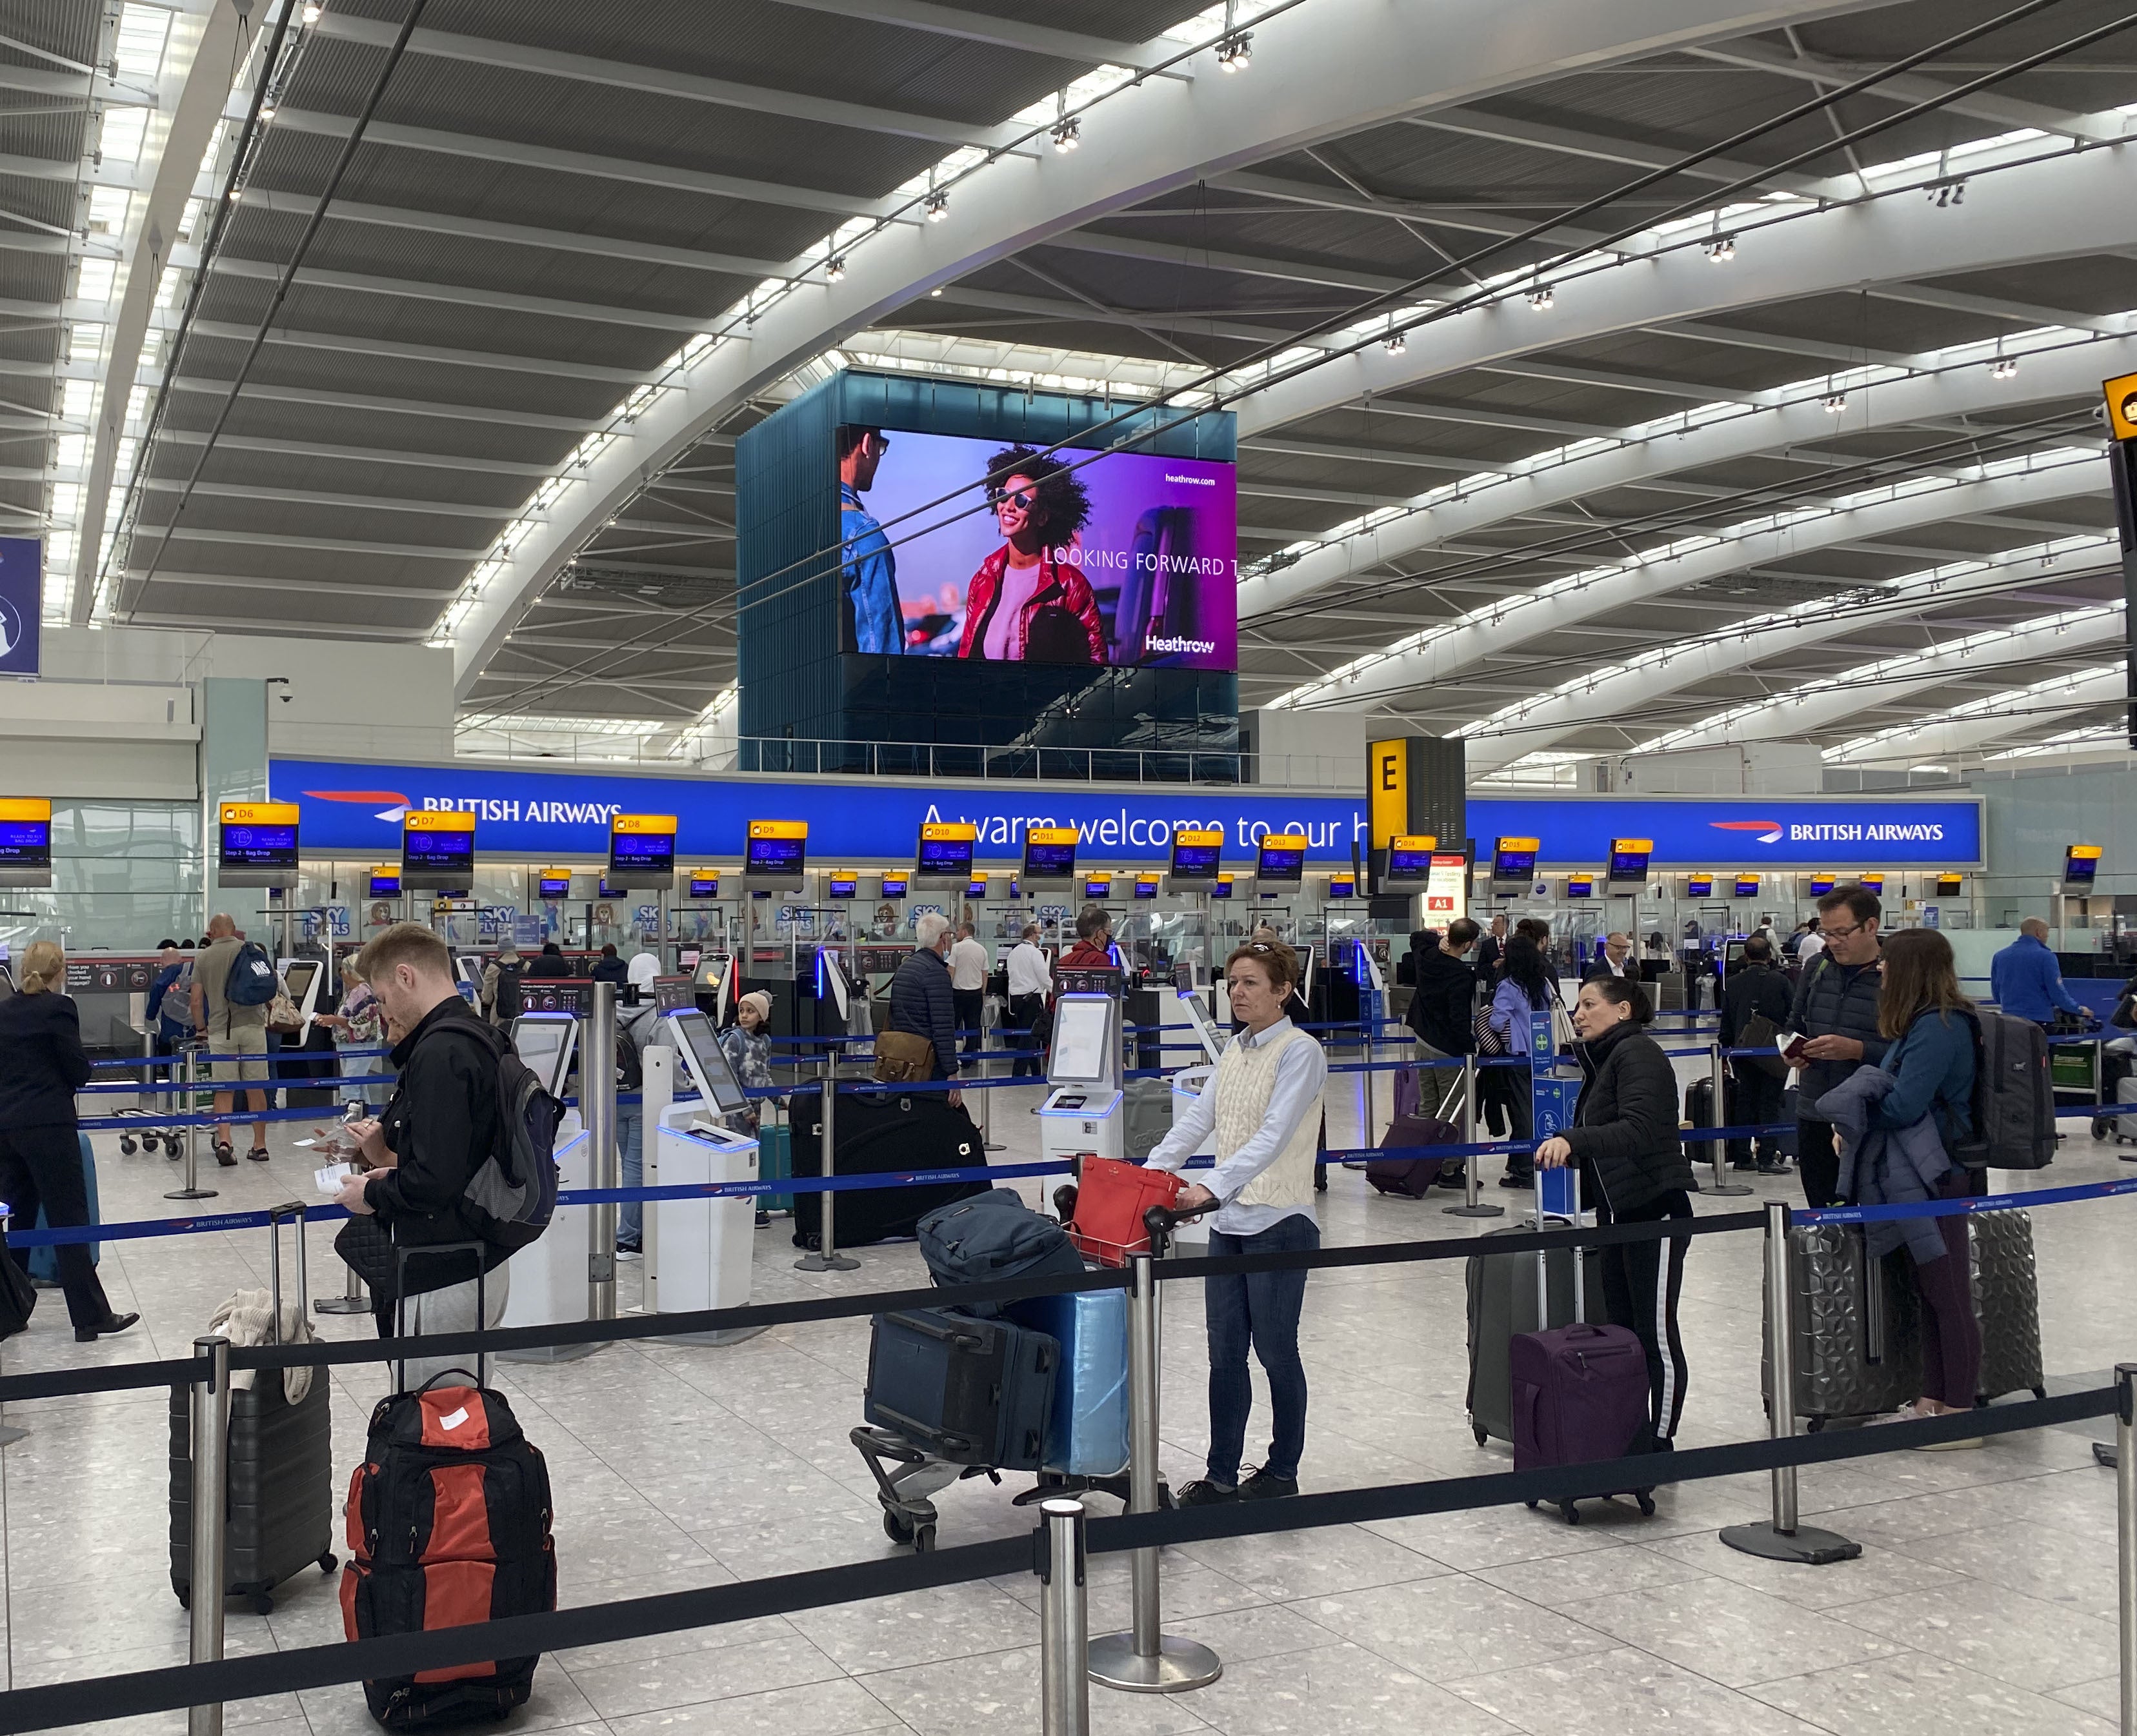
x,y
1110,1198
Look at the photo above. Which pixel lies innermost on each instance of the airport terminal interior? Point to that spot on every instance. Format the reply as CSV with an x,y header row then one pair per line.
x,y
1581,555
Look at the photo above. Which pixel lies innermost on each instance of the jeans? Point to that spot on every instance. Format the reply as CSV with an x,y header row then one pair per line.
x,y
1261,1308
631,1156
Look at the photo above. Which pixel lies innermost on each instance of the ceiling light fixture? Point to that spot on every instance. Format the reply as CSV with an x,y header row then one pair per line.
x,y
1541,298
2006,368
937,207
266,111
1834,403
936,291
1236,50
311,14
1396,343
1067,133
1723,251
835,268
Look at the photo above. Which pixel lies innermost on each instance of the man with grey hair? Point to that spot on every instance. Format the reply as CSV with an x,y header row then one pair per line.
x,y
921,998
2027,981
1611,959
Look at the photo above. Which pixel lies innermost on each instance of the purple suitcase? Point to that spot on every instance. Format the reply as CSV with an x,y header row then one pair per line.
x,y
1411,1175
1580,1396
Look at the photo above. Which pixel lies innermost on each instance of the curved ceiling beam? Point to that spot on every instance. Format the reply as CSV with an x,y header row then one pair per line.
x,y
2056,208
1533,724
1832,699
1989,719
198,63
1332,67
1440,652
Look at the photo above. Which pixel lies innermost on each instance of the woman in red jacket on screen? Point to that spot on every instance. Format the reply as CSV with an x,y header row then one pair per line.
x,y
1026,602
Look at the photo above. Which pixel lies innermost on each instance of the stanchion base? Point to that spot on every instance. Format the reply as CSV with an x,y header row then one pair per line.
x,y
1478,1210
2104,1452
191,1194
1724,1189
9,1436
993,1145
341,1305
819,1262
1179,1666
723,1335
1806,1545
548,1353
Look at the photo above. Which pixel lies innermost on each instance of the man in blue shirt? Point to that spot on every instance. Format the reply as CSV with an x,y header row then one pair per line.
x,y
2027,982
875,621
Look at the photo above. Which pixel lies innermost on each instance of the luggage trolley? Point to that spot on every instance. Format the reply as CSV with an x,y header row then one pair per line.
x,y
1086,1440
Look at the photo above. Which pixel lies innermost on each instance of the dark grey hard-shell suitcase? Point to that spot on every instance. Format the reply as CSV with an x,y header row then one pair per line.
x,y
1857,1327
1502,1301
971,1392
2007,1303
280,1499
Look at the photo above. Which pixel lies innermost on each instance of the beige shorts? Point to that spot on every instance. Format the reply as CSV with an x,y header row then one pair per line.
x,y
251,1070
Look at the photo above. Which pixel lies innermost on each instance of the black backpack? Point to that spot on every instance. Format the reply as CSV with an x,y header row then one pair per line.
x,y
510,1198
629,1063
2014,1101
508,1003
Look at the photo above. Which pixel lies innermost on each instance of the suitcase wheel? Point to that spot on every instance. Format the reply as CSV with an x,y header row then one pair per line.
x,y
327,1562
1645,1498
1814,1425
1571,1512
263,1603
897,1527
1532,1507
1478,1429
126,1145
924,1539
2099,1131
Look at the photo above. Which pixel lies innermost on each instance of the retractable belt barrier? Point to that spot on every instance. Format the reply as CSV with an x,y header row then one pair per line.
x,y
140,1693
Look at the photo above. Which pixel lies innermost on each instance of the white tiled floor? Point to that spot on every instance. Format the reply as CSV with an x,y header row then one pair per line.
x,y
1984,1600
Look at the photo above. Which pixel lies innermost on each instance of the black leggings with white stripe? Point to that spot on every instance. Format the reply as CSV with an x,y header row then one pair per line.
x,y
1640,1292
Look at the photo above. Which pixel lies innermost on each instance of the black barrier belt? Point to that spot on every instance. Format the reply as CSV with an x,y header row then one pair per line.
x,y
92,1701
1459,1247
1574,1482
110,1377
67,1704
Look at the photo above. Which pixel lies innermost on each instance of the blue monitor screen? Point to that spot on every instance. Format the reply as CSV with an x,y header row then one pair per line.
x,y
29,841
1146,888
949,857
1049,861
1195,861
258,847
1280,864
385,886
553,886
704,886
641,853
437,849
1220,889
842,886
776,856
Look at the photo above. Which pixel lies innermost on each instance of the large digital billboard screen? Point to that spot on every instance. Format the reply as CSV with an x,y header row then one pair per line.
x,y
1001,553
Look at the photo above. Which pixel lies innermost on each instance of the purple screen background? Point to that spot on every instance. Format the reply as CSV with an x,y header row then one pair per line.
x,y
938,551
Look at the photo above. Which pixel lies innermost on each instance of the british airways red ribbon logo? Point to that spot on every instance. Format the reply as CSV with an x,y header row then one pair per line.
x,y
1768,830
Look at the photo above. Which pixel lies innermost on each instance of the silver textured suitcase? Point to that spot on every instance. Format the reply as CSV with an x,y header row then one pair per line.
x,y
1858,1334
1145,1117
2007,1302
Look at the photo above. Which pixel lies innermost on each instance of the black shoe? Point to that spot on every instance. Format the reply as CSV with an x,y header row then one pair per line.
x,y
1511,1180
623,1246
1204,1493
1773,1166
104,1328
1262,1485
1457,1177
1741,1163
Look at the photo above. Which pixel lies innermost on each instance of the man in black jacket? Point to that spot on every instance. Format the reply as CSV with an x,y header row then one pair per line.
x,y
1755,989
1835,1008
439,1128
1443,1010
550,962
921,998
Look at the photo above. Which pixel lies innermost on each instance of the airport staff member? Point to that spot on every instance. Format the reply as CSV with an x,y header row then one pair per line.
x,y
1836,1009
1264,1105
2025,981
1030,981
968,984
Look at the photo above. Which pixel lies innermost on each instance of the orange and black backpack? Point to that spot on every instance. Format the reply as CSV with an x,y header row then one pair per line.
x,y
448,1524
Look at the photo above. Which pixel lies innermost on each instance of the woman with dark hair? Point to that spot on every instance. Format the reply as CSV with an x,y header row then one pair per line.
x,y
1026,602
1525,988
1897,1123
1624,1140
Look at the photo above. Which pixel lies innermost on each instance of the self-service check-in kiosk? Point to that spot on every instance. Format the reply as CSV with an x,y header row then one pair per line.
x,y
1188,1085
1081,1113
549,1275
697,1252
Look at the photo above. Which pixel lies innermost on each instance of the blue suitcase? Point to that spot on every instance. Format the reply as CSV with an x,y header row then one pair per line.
x,y
44,1262
1088,1434
966,1391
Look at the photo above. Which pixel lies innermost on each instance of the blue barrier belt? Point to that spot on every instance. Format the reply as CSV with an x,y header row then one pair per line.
x,y
1964,1208
176,1055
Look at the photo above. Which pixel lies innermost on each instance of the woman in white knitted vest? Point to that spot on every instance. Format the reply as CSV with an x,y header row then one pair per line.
x,y
1264,1104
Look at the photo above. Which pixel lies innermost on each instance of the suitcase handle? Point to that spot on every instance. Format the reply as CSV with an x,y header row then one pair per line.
x,y
275,1214
941,1333
921,1432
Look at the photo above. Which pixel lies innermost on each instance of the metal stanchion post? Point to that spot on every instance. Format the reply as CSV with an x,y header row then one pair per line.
x,y
353,1299
2125,1532
1781,1538
9,1435
1472,1206
597,1106
204,1565
1719,1063
1064,1687
988,1142
192,1189
827,1257
1146,1660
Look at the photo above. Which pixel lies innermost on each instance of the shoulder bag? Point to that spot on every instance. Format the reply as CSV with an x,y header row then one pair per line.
x,y
903,1058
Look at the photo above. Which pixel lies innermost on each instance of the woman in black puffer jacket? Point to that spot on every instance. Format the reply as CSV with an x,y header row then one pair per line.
x,y
1624,1140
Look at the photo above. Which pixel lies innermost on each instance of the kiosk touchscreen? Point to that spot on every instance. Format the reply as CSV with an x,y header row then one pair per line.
x,y
1212,1040
302,979
1081,1113
697,1250
546,1042
549,1275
